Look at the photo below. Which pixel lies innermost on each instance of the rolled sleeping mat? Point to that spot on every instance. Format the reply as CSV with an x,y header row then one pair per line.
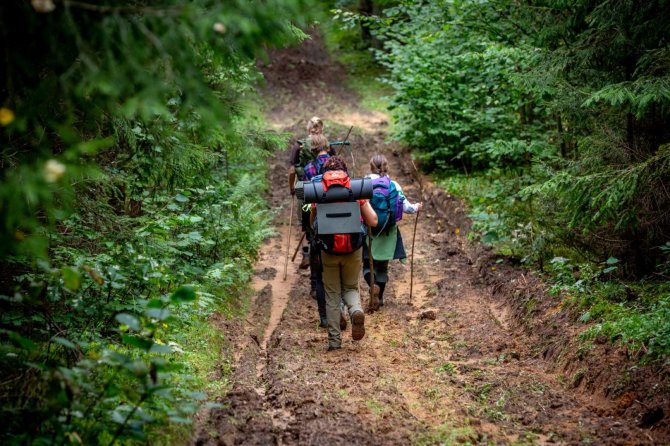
x,y
312,192
300,191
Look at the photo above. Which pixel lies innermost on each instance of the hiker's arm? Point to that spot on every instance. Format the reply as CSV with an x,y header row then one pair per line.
x,y
407,207
369,214
291,179
292,161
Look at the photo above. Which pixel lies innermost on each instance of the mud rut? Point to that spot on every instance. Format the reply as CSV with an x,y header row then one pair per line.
x,y
452,366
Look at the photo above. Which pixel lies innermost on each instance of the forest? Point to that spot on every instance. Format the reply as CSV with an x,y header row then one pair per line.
x,y
143,193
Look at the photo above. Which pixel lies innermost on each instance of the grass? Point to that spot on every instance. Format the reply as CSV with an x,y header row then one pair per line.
x,y
449,434
376,407
447,368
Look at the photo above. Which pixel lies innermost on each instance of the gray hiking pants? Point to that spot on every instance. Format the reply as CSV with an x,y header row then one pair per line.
x,y
340,280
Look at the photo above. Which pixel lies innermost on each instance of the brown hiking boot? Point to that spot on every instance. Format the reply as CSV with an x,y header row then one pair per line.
x,y
304,263
357,325
374,303
343,322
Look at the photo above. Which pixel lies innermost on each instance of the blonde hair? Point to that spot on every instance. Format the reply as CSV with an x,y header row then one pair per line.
x,y
318,142
315,126
379,165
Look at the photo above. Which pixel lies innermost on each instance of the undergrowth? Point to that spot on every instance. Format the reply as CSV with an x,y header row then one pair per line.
x,y
633,314
98,347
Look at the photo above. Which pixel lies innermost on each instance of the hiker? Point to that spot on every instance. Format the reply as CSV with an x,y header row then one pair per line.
x,y
389,203
341,261
319,147
301,154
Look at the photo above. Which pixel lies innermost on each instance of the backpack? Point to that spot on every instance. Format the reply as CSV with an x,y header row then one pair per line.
x,y
315,167
387,203
305,156
341,216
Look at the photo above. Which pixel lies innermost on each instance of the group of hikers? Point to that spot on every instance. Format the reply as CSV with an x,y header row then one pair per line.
x,y
336,259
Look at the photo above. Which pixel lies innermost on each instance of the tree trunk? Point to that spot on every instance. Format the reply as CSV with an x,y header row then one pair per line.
x,y
366,8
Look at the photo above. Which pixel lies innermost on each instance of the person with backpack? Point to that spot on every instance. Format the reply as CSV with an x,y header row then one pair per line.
x,y
341,257
319,146
389,203
300,155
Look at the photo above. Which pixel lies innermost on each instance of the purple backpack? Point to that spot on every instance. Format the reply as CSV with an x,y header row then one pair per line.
x,y
387,203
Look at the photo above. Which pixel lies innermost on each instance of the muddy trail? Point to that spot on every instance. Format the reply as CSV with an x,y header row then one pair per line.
x,y
460,363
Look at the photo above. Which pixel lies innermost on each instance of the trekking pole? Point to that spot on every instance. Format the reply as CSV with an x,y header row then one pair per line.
x,y
288,242
344,141
297,248
351,151
411,262
416,219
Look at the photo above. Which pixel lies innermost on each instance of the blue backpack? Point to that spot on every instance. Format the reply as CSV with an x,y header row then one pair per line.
x,y
387,203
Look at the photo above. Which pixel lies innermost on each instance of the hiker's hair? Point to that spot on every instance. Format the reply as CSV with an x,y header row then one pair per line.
x,y
318,143
379,165
335,163
315,126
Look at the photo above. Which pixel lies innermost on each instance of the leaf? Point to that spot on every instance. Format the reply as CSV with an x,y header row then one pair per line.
x,y
198,395
20,341
183,294
118,417
181,198
129,320
612,261
64,342
71,279
585,317
160,348
111,390
137,342
158,313
180,420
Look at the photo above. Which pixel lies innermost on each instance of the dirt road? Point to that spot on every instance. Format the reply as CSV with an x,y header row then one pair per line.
x,y
454,365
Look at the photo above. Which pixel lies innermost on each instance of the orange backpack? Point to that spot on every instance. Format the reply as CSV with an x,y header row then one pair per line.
x,y
340,243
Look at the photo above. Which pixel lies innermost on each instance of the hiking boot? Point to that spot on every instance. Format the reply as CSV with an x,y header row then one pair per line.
x,y
343,322
304,263
374,303
323,322
357,325
333,347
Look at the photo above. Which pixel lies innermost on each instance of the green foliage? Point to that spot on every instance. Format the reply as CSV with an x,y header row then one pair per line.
x,y
566,104
634,315
130,206
161,65
455,71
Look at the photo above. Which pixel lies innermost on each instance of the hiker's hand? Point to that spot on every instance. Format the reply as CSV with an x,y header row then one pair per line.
x,y
419,206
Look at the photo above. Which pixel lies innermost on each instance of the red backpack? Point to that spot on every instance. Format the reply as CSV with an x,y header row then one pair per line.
x,y
345,242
